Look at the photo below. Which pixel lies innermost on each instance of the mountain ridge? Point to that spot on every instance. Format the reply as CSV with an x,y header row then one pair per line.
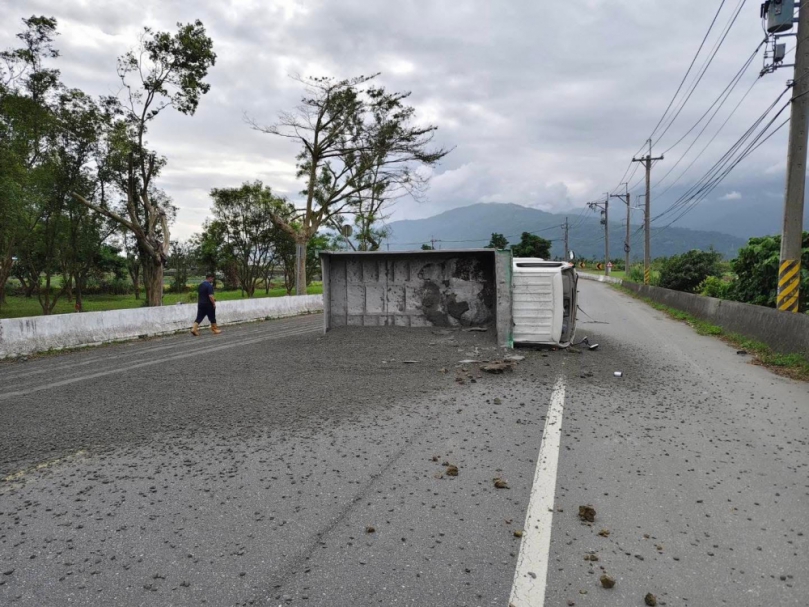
x,y
471,227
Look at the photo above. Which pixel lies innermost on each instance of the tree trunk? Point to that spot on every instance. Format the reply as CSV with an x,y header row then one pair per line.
x,y
300,267
79,280
67,285
134,275
4,274
153,282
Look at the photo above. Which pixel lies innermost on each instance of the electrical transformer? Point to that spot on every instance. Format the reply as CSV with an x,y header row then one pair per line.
x,y
779,15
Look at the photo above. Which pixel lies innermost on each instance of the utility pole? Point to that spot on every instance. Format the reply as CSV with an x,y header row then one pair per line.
x,y
789,269
647,253
625,198
605,211
567,243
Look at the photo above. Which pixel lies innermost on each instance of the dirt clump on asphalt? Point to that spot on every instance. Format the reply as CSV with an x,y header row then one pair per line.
x,y
587,513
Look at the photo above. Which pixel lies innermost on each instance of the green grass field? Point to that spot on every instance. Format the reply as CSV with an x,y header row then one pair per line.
x,y
16,307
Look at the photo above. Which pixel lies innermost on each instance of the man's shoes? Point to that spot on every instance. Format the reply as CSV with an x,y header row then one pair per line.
x,y
214,329
195,330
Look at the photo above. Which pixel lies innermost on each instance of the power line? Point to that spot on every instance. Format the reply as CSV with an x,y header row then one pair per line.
x,y
725,158
728,90
723,167
685,77
705,68
698,156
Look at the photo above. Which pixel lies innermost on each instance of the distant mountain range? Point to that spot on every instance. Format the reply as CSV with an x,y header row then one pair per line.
x,y
472,227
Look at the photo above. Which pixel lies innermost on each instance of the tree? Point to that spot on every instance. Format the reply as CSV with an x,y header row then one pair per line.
x,y
397,150
179,262
531,245
498,241
352,142
166,71
49,134
26,89
685,272
209,248
756,268
133,265
427,247
244,216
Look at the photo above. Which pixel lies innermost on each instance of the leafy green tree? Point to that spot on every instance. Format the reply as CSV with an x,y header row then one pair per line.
x,y
756,268
427,247
168,70
320,242
179,262
498,241
531,245
687,271
27,87
244,216
49,134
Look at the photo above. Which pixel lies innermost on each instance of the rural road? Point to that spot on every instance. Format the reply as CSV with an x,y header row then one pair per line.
x,y
273,465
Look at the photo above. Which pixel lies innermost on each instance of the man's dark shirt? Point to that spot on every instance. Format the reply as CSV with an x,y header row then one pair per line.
x,y
205,291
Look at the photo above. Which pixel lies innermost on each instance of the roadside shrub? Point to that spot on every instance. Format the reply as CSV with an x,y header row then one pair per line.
x,y
636,273
756,267
714,286
685,272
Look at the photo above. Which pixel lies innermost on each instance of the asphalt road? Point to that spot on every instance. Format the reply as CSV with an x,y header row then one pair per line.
x,y
273,465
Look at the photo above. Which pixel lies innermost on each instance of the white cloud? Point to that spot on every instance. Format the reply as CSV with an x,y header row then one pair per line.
x,y
537,116
731,196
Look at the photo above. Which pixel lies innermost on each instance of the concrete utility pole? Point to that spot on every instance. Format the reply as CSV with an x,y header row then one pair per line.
x,y
647,254
625,198
567,243
605,210
789,270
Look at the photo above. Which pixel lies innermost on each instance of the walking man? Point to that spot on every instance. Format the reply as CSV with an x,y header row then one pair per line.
x,y
206,305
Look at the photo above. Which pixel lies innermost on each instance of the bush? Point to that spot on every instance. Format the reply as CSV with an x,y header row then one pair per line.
x,y
685,272
757,269
713,286
636,273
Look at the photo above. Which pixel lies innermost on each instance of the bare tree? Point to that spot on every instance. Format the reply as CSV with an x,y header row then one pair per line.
x,y
345,131
165,71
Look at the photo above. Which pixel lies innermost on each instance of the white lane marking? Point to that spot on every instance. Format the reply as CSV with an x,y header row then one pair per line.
x,y
530,578
157,361
142,350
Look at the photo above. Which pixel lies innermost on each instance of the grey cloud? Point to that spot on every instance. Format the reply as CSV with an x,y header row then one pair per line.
x,y
544,103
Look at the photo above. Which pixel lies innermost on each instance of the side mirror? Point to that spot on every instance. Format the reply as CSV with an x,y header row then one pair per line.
x,y
572,256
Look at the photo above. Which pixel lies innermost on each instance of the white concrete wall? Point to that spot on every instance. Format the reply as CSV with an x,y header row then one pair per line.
x,y
600,278
21,336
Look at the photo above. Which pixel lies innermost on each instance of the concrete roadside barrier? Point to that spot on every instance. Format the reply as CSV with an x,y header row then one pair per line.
x,y
28,335
600,278
784,332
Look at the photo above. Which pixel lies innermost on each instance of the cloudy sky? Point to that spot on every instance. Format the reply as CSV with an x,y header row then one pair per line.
x,y
544,102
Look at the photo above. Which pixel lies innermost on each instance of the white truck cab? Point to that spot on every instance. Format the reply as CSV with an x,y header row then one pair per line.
x,y
543,301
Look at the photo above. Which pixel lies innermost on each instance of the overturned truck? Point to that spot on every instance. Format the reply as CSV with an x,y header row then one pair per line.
x,y
471,288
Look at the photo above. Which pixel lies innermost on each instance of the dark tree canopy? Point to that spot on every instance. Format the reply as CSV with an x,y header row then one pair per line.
x,y
685,272
498,241
531,245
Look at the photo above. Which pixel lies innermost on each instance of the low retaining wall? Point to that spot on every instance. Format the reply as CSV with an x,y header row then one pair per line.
x,y
21,336
600,278
784,332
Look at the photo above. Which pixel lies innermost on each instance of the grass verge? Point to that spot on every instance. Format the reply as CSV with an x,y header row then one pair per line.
x,y
795,366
